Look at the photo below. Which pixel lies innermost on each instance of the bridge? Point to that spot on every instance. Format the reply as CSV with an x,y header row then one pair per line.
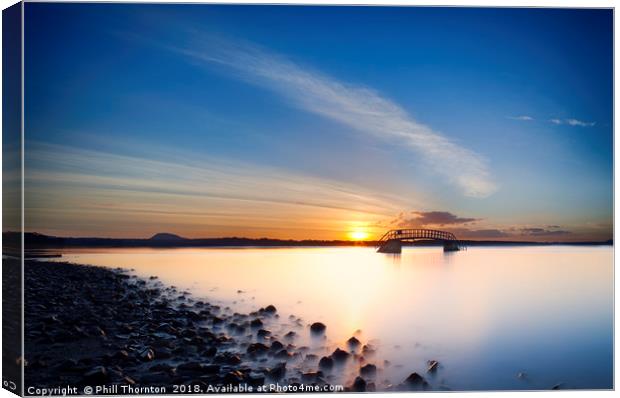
x,y
392,241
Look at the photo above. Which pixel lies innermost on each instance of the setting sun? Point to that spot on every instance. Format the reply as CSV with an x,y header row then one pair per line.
x,y
358,235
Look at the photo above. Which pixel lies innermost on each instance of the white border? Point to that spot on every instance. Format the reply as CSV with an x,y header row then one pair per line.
x,y
478,3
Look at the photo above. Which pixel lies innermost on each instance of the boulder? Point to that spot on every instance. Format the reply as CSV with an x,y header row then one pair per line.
x,y
353,343
326,363
340,356
359,385
368,370
96,376
317,328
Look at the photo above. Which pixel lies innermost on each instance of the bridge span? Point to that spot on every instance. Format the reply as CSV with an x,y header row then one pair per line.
x,y
392,241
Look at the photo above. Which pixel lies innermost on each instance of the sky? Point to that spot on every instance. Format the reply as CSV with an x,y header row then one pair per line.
x,y
318,122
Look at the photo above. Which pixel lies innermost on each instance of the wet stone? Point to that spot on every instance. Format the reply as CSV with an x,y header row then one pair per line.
x,y
368,370
262,333
414,381
317,328
278,372
353,343
326,363
97,375
340,356
359,385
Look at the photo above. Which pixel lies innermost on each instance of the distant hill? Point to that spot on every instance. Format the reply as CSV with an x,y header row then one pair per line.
x,y
35,241
164,236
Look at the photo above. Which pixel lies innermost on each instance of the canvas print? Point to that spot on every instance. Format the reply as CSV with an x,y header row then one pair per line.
x,y
289,198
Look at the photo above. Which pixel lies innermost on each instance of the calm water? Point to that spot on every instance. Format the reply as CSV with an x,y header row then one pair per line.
x,y
485,314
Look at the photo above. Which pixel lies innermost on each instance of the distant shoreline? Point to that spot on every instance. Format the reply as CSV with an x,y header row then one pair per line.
x,y
40,241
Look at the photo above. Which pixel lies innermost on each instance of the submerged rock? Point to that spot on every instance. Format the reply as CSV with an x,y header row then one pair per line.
x,y
359,385
278,372
96,376
262,333
414,381
257,349
340,355
276,346
368,370
326,363
317,328
353,343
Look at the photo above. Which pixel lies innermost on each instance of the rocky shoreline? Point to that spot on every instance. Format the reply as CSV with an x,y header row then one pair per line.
x,y
94,326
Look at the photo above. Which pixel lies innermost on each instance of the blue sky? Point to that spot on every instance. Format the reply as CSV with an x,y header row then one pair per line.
x,y
320,120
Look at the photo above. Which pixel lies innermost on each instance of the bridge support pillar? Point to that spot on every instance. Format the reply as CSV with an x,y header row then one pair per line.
x,y
391,246
451,246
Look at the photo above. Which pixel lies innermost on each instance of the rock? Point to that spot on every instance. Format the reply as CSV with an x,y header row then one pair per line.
x,y
368,370
162,353
353,343
432,366
368,350
227,358
233,377
122,355
359,385
270,309
414,381
282,354
96,376
255,379
256,323
317,328
161,367
311,377
276,346
311,358
340,355
69,365
326,363
147,355
278,372
290,336
190,366
257,349
262,333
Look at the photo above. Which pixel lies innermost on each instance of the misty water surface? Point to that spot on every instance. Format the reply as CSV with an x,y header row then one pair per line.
x,y
486,314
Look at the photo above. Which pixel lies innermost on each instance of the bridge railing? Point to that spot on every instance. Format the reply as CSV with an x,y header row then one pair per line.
x,y
405,234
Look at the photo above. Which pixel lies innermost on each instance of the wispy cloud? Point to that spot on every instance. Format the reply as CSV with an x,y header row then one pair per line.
x,y
572,122
90,192
522,117
358,107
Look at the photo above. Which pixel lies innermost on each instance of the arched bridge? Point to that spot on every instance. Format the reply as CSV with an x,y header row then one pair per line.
x,y
392,241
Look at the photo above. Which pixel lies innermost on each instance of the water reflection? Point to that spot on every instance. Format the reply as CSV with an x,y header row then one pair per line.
x,y
486,314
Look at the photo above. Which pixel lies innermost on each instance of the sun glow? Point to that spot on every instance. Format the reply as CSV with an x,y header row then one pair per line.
x,y
358,235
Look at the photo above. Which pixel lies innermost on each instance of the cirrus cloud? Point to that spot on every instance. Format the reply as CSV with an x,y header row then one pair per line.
x,y
355,106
